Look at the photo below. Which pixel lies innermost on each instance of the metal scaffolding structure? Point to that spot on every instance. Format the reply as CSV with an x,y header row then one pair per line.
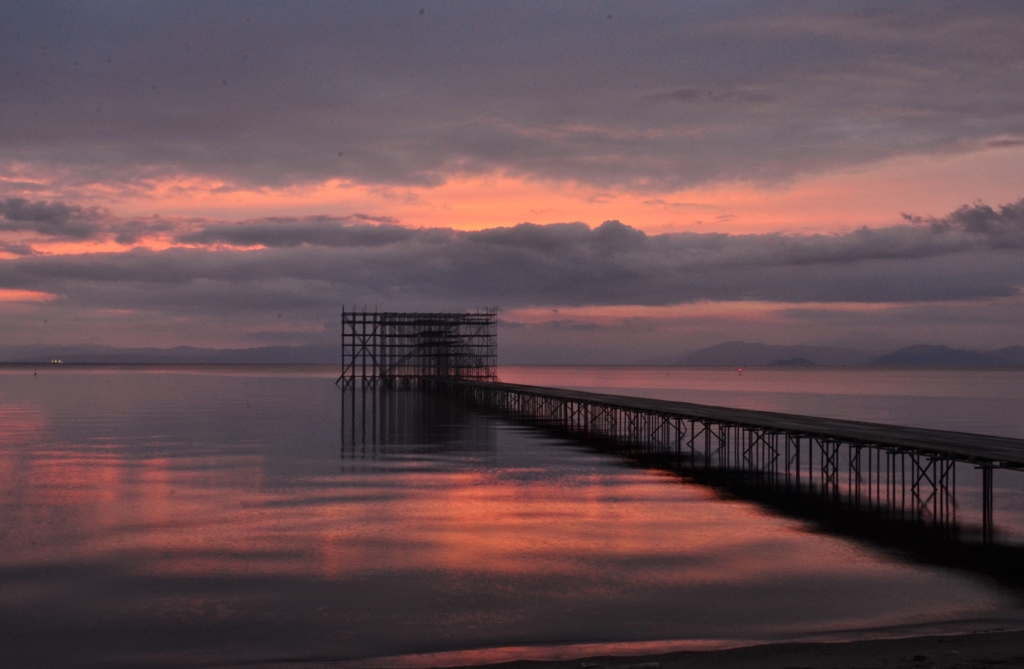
x,y
389,349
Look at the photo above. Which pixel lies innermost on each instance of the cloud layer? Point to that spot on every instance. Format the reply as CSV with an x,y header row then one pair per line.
x,y
320,263
210,108
658,95
50,219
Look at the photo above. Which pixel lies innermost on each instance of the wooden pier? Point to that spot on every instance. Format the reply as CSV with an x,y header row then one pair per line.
x,y
900,473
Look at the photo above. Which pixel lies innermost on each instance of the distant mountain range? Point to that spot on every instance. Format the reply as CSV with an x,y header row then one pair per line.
x,y
741,353
943,356
747,354
728,354
288,355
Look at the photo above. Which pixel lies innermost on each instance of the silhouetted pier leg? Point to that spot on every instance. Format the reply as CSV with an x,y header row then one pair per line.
x,y
986,505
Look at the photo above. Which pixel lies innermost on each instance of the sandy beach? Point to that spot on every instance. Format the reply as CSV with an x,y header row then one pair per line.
x,y
987,649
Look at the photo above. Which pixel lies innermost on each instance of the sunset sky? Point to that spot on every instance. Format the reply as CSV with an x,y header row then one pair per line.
x,y
624,181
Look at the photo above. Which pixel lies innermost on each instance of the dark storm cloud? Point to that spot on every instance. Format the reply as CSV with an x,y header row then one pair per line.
x,y
129,232
59,220
50,219
16,249
666,94
1002,228
313,230
313,265
698,95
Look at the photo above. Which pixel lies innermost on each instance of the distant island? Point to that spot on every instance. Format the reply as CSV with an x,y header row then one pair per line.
x,y
110,355
748,354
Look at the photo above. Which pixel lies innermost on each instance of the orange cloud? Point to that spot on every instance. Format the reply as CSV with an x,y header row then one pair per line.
x,y
734,310
15,295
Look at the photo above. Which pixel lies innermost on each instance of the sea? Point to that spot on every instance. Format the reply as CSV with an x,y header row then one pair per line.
x,y
260,516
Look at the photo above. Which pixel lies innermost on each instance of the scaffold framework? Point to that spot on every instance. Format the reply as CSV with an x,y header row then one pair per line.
x,y
389,349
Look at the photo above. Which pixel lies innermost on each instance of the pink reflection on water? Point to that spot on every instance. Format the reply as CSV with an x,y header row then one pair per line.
x,y
215,516
192,505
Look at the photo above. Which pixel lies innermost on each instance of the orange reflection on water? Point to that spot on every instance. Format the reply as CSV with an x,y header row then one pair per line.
x,y
207,516
206,505
73,481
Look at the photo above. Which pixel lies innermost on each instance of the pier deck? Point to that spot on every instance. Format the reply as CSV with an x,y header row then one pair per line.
x,y
976,448
897,472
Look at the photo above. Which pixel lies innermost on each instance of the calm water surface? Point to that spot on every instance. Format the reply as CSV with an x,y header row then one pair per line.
x,y
250,515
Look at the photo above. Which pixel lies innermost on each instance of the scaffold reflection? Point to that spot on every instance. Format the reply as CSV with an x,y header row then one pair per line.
x,y
377,422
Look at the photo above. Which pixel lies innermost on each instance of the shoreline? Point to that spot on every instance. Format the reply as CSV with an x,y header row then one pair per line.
x,y
940,651
934,649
